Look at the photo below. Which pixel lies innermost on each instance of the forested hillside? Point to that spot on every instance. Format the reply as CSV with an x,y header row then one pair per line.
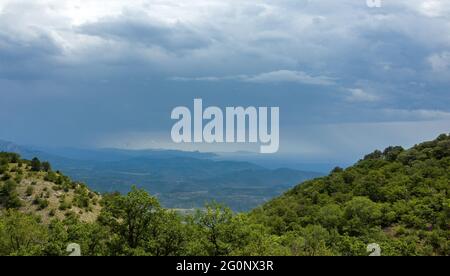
x,y
397,198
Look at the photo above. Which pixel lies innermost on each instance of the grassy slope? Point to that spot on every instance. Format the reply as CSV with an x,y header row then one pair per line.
x,y
40,196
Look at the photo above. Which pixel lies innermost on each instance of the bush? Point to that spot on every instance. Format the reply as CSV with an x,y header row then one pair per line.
x,y
52,213
35,164
51,177
29,191
6,176
56,188
64,205
8,195
18,179
7,157
46,166
41,203
3,169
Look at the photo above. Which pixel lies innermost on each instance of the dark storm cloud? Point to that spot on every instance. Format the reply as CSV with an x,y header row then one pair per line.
x,y
139,29
104,72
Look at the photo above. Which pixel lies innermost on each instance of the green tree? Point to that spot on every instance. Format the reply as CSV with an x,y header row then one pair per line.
x,y
131,216
45,166
57,239
222,233
8,195
361,214
330,216
35,164
21,234
309,241
167,235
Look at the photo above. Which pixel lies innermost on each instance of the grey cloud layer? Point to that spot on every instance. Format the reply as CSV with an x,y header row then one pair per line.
x,y
342,38
322,61
279,76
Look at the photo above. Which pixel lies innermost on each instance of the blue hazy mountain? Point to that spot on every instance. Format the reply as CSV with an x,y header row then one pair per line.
x,y
180,179
281,161
112,154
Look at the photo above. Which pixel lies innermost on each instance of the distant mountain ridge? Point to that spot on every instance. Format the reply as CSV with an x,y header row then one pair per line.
x,y
7,146
113,154
180,179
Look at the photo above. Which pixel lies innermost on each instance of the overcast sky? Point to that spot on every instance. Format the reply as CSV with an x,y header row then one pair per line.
x,y
107,73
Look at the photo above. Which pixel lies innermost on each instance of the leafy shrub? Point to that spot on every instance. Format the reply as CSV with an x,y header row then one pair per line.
x,y
29,191
8,195
64,205
35,164
41,203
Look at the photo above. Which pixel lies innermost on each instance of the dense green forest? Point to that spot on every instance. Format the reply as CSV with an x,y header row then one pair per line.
x,y
399,199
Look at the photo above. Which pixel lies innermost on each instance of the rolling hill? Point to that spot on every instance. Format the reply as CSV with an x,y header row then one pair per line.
x,y
32,189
